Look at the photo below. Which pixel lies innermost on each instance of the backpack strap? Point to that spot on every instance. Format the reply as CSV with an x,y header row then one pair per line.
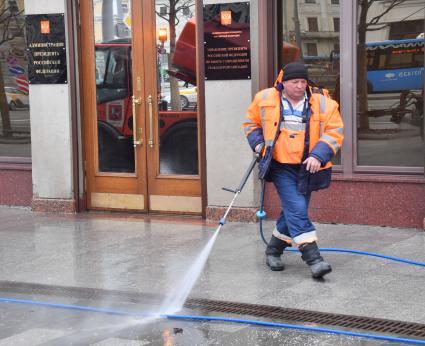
x,y
306,117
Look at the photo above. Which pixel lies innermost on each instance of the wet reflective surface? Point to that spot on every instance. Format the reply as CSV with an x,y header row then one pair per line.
x,y
38,325
127,262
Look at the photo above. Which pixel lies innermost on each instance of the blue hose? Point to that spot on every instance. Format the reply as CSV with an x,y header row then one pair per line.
x,y
215,319
356,252
297,327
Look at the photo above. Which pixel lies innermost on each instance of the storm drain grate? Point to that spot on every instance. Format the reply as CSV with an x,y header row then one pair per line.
x,y
274,313
312,317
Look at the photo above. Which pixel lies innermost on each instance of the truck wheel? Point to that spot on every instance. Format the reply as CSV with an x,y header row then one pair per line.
x,y
179,150
115,152
184,102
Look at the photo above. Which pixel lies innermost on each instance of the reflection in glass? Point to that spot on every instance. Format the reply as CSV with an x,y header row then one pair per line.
x,y
113,85
390,84
177,92
15,137
309,32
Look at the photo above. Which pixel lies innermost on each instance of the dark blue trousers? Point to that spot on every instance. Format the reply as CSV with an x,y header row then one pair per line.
x,y
293,223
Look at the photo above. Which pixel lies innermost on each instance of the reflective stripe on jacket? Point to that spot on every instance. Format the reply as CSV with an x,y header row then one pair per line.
x,y
264,122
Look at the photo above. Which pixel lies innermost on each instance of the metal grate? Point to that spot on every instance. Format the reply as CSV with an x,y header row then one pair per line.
x,y
321,318
274,313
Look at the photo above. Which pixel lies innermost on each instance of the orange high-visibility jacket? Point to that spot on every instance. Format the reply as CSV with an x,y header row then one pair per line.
x,y
286,145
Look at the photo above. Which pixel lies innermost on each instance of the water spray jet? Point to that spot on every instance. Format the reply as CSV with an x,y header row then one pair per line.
x,y
175,301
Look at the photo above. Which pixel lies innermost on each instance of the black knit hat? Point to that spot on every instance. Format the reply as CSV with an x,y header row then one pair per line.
x,y
294,70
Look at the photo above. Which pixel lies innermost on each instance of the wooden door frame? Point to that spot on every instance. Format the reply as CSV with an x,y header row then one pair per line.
x,y
87,102
200,77
124,183
160,184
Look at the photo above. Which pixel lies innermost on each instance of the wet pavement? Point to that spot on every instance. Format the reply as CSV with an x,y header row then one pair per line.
x,y
131,263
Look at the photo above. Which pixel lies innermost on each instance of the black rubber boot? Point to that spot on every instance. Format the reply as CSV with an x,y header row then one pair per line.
x,y
311,255
274,250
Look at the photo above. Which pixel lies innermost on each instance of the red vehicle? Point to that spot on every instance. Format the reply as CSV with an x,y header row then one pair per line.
x,y
177,129
184,59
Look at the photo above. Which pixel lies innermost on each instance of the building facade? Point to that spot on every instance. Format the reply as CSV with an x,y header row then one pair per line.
x,y
137,126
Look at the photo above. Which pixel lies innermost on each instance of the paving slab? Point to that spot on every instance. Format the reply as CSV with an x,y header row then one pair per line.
x,y
149,255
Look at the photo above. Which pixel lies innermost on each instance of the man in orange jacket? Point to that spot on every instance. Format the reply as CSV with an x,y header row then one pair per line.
x,y
298,131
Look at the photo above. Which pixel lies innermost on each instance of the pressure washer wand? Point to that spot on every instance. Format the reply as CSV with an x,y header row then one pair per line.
x,y
238,190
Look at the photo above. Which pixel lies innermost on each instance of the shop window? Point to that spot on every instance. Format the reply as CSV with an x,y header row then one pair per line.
x,y
390,94
15,139
312,24
336,24
316,46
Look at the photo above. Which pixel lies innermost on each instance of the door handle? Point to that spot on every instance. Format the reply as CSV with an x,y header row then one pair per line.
x,y
136,101
150,141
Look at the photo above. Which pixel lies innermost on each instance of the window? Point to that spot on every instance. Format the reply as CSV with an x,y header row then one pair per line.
x,y
186,11
163,10
311,49
310,1
336,24
335,2
406,29
13,6
390,99
15,130
312,24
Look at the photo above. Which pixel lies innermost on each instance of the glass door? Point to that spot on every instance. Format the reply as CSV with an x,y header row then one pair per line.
x,y
173,172
139,106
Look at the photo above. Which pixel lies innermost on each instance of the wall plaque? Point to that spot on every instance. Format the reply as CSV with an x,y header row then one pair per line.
x,y
46,49
227,41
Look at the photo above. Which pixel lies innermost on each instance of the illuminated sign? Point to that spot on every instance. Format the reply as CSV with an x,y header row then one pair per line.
x,y
227,41
45,26
226,17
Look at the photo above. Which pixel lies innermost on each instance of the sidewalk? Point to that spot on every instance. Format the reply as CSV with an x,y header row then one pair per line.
x,y
148,255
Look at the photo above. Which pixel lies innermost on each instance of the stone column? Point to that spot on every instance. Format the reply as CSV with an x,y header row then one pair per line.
x,y
51,133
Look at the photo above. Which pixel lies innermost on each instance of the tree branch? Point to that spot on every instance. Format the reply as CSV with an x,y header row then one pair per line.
x,y
165,18
379,28
395,3
173,9
5,24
